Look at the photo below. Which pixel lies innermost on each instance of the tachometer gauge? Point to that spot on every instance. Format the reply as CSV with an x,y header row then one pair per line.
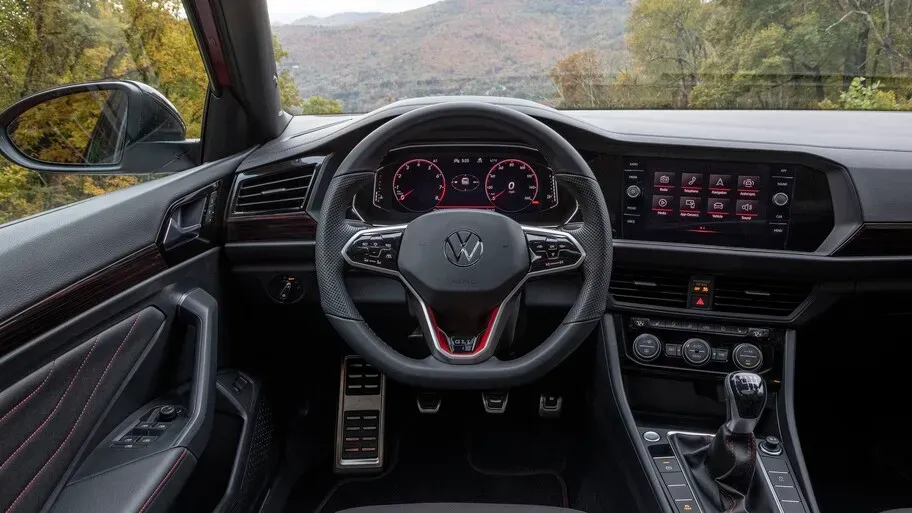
x,y
511,185
419,185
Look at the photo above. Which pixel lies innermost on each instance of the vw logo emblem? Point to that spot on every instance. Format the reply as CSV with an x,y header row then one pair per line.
x,y
463,248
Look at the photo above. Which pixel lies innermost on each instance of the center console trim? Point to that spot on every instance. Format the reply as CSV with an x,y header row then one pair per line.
x,y
650,482
766,479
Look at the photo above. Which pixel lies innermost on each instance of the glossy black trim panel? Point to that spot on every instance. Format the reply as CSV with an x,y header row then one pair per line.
x,y
879,239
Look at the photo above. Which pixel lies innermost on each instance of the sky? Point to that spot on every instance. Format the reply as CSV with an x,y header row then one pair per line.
x,y
289,10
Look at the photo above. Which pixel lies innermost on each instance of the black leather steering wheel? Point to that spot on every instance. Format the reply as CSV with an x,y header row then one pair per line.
x,y
464,267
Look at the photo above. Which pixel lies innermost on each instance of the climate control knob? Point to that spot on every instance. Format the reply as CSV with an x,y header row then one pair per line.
x,y
747,356
696,351
647,347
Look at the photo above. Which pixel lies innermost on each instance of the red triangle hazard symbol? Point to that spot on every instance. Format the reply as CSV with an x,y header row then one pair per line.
x,y
700,302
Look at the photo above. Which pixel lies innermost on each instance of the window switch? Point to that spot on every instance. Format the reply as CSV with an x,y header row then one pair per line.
x,y
128,439
144,425
146,440
160,426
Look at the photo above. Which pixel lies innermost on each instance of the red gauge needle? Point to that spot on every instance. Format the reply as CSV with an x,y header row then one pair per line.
x,y
498,194
403,196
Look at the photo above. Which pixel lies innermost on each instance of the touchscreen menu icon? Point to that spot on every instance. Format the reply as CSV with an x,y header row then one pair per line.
x,y
662,205
665,181
717,208
689,207
747,209
691,182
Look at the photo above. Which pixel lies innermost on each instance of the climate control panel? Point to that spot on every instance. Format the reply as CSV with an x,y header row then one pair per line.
x,y
700,346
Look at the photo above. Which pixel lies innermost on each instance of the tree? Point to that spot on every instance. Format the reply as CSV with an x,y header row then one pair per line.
x,y
320,105
580,81
866,97
667,41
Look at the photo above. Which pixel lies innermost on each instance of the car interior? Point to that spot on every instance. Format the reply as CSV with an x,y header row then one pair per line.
x,y
458,304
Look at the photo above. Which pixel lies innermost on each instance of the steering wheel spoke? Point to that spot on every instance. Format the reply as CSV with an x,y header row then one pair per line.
x,y
552,251
375,249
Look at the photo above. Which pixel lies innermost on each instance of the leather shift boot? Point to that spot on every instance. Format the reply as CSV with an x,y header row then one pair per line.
x,y
724,472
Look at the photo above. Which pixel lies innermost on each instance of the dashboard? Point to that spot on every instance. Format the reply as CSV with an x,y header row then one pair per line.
x,y
765,204
844,226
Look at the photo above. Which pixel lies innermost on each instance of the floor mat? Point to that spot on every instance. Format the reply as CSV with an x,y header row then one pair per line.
x,y
414,485
428,465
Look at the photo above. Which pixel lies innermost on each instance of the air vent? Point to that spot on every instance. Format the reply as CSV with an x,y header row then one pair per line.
x,y
276,189
645,287
758,297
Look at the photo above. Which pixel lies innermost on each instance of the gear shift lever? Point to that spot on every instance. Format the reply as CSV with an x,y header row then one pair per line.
x,y
724,469
745,398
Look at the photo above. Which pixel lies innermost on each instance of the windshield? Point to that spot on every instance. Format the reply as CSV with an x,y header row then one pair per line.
x,y
357,55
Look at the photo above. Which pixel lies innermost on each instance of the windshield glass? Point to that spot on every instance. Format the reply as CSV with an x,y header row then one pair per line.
x,y
357,55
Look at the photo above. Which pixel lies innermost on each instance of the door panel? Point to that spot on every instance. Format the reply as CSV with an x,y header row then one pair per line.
x,y
43,255
131,490
50,414
100,324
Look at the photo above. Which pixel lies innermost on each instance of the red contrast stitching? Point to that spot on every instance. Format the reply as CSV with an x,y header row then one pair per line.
x,y
57,406
78,419
29,397
163,481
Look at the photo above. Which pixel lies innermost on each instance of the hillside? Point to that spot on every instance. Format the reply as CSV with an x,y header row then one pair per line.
x,y
335,20
487,47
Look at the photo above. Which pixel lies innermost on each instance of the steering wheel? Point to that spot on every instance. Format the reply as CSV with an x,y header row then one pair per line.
x,y
464,267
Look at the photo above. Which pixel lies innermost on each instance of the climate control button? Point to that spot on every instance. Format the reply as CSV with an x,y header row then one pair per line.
x,y
747,356
647,347
697,351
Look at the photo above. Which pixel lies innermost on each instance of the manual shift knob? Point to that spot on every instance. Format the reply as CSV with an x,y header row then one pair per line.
x,y
745,397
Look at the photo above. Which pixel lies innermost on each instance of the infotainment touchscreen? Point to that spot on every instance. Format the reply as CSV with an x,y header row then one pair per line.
x,y
708,202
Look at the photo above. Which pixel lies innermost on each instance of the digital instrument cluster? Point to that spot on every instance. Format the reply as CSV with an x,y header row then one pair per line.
x,y
508,180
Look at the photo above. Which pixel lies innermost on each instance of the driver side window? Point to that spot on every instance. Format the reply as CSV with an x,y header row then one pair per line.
x,y
49,43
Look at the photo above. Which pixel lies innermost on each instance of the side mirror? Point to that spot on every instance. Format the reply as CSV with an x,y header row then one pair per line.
x,y
105,127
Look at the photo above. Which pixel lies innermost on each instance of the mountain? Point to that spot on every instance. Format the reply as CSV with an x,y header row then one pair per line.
x,y
335,20
486,47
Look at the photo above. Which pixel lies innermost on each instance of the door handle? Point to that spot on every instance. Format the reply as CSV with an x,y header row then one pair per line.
x,y
199,309
185,222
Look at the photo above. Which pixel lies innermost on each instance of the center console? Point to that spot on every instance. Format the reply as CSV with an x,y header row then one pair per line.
x,y
707,407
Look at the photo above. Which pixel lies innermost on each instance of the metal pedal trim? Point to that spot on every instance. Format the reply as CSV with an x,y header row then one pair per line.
x,y
352,403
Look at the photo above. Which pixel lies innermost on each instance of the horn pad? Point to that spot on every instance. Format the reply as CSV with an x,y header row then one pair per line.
x,y
463,263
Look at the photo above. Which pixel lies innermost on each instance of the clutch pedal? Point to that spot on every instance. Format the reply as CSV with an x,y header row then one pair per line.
x,y
360,424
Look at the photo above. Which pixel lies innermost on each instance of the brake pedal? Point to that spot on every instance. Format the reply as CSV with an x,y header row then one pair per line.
x,y
495,402
550,406
360,424
428,403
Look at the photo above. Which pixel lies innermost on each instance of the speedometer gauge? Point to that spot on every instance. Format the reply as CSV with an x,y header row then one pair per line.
x,y
511,185
419,185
